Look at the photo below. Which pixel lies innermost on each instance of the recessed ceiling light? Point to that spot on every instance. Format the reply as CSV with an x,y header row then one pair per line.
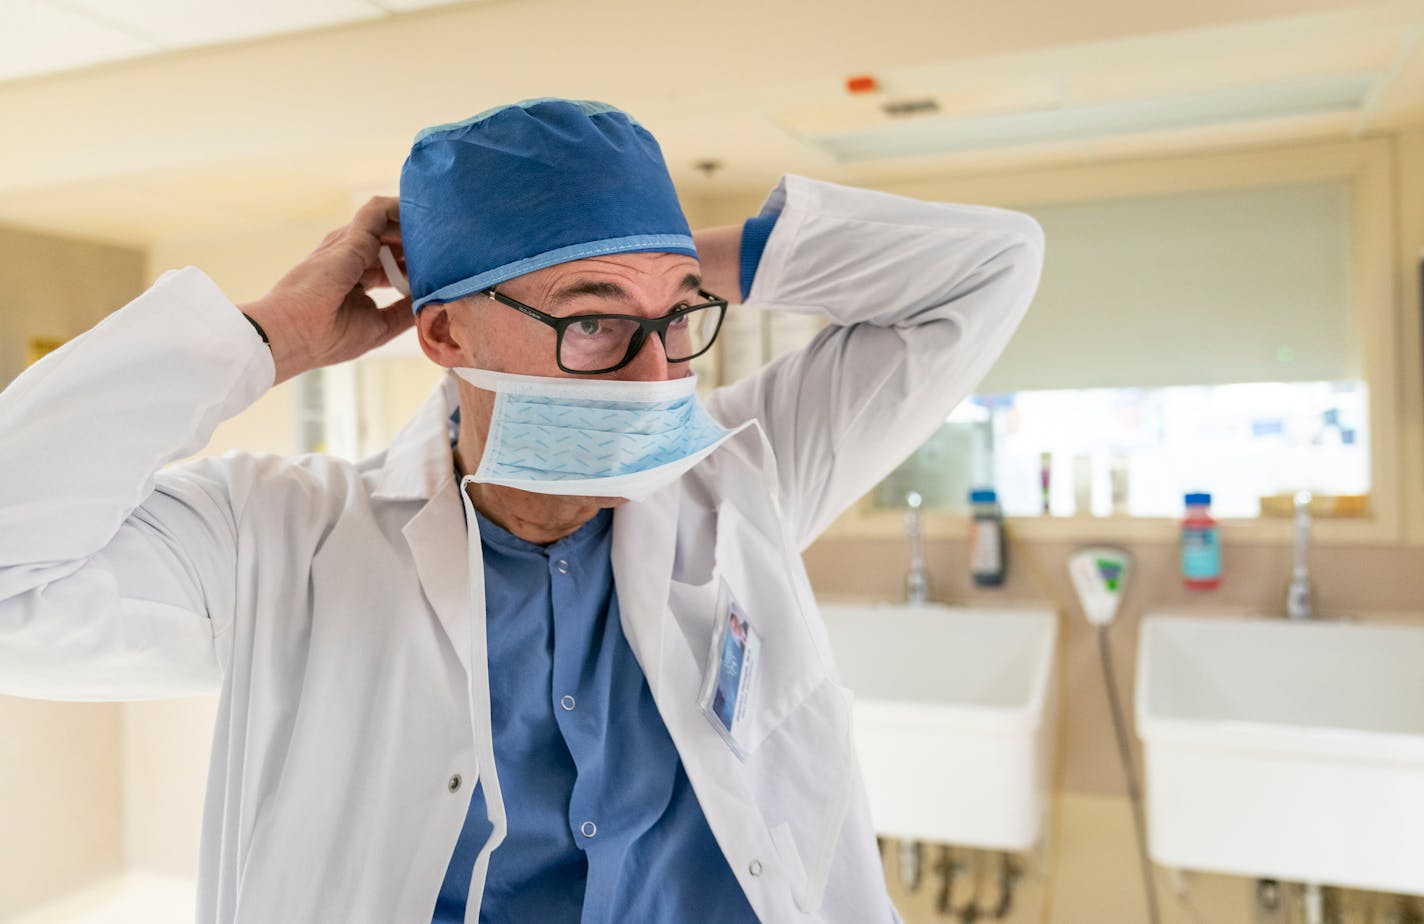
x,y
946,133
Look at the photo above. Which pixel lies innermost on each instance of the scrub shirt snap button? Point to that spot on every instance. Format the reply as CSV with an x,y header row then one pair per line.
x,y
755,868
455,783
561,566
588,828
568,703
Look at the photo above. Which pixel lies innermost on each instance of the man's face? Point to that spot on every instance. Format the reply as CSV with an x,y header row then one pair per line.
x,y
646,284
487,334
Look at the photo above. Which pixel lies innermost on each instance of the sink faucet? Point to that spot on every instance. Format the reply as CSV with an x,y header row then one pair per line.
x,y
1300,602
917,582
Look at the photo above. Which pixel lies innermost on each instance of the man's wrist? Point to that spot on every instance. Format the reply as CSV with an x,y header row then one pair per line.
x,y
258,327
755,232
268,327
719,252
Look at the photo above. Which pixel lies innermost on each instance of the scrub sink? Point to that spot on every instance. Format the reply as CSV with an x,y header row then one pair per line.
x,y
1286,750
954,718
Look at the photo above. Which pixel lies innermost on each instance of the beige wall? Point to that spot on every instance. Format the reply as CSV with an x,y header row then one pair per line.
x,y
1409,239
61,785
57,287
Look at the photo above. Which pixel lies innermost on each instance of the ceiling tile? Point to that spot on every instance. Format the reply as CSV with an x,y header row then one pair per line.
x,y
180,23
40,37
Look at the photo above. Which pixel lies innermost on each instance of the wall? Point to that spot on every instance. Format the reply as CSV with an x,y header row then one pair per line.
x,y
57,287
61,771
1409,239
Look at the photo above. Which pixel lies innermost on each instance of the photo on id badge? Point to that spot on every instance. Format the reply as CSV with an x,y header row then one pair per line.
x,y
728,687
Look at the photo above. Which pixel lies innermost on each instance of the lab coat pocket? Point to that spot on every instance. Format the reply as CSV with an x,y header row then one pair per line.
x,y
759,574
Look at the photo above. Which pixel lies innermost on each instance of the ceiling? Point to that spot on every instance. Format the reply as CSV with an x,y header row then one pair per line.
x,y
272,111
53,36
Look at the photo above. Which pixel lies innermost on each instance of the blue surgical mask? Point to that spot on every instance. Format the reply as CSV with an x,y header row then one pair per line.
x,y
593,437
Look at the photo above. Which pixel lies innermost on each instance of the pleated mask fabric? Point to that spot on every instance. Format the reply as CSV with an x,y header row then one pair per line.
x,y
602,438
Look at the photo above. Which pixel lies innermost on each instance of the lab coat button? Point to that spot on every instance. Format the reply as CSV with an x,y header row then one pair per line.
x,y
568,703
588,828
755,868
561,566
455,783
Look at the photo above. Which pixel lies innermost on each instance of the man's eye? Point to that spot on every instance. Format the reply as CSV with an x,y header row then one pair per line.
x,y
588,327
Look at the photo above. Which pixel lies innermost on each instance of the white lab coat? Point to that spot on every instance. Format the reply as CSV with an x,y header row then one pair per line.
x,y
331,604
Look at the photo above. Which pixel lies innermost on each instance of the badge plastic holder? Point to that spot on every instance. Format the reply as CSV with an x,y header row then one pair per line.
x,y
728,682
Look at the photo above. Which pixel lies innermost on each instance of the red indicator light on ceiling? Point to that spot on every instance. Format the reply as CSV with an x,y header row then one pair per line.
x,y
863,83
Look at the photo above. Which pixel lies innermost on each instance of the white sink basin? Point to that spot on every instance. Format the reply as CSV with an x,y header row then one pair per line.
x,y
1286,750
954,718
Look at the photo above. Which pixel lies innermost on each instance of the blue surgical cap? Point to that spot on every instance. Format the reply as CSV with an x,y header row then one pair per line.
x,y
522,187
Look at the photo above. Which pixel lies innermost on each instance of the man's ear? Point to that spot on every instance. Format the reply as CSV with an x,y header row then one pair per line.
x,y
439,338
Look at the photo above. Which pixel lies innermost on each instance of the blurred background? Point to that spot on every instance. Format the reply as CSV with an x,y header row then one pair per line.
x,y
1233,196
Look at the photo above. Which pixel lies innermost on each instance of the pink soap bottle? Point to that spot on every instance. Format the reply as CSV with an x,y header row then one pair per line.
x,y
1201,545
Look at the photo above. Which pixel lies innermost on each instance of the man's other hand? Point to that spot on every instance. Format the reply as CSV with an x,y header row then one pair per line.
x,y
320,312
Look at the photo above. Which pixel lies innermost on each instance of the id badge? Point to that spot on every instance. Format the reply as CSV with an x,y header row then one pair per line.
x,y
729,686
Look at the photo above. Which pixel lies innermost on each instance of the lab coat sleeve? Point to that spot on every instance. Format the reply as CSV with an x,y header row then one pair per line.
x,y
116,578
921,298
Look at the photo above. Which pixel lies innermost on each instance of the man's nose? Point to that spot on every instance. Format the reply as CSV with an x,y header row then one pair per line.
x,y
649,364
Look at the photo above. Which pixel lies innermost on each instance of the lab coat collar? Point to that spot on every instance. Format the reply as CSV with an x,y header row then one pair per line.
x,y
419,460
644,544
420,466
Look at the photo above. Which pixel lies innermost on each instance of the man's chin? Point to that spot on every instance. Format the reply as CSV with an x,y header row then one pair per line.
x,y
579,500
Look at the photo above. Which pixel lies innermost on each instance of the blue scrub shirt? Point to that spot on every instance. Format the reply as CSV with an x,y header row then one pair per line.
x,y
603,823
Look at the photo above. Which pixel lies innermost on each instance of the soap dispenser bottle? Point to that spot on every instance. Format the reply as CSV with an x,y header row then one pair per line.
x,y
987,547
1201,546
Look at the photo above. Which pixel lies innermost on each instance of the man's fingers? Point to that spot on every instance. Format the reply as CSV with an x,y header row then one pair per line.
x,y
394,319
331,238
399,316
377,215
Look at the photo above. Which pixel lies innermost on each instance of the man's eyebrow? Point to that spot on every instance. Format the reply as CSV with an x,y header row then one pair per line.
x,y
599,288
596,288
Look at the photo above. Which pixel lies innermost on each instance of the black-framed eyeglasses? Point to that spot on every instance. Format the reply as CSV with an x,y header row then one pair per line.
x,y
590,344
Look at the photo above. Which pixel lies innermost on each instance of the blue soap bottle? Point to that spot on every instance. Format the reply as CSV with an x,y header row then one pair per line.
x,y
987,547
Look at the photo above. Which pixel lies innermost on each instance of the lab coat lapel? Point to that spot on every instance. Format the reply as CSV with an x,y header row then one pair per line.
x,y
644,544
420,466
437,538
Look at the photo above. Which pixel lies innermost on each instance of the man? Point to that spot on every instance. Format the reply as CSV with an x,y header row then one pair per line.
x,y
457,683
